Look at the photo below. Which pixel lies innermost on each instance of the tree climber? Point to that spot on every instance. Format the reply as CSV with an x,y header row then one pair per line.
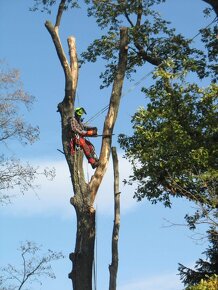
x,y
79,132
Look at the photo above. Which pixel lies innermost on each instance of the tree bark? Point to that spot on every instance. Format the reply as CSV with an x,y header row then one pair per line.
x,y
113,268
83,255
112,114
85,193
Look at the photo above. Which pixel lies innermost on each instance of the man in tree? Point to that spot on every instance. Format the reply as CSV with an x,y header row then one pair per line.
x,y
80,131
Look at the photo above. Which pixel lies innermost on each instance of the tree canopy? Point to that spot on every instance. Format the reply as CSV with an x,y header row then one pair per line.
x,y
151,38
210,284
173,148
204,268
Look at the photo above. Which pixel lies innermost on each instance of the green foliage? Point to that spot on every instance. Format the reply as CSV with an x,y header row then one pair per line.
x,y
210,40
210,284
46,5
150,37
204,268
173,149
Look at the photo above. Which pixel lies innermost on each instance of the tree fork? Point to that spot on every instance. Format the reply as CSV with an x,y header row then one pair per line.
x,y
84,194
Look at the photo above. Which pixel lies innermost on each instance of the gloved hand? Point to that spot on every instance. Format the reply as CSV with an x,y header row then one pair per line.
x,y
92,132
95,131
84,133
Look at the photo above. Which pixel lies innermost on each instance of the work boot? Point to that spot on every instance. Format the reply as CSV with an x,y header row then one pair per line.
x,y
95,164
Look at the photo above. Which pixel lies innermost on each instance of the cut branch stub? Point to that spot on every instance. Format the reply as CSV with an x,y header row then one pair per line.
x,y
73,61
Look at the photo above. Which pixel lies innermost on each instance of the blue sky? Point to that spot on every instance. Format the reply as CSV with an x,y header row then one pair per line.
x,y
149,250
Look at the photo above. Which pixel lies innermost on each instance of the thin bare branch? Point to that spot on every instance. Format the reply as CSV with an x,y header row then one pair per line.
x,y
60,12
139,14
59,49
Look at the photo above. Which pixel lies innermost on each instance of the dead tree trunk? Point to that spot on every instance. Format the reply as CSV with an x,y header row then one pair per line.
x,y
85,193
83,200
113,268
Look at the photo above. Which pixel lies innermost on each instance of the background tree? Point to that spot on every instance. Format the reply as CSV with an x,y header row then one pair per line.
x,y
151,39
213,4
14,174
204,269
34,266
209,284
173,149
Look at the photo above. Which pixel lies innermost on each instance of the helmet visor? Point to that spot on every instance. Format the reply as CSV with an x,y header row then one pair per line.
x,y
80,111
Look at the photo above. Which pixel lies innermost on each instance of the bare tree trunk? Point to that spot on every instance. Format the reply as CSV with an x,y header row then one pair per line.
x,y
83,255
111,117
115,236
85,193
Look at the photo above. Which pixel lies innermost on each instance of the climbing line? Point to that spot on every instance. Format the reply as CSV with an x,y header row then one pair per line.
x,y
95,253
77,98
100,112
95,247
213,21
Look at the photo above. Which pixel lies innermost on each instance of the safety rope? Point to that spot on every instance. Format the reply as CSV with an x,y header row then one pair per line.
x,y
95,249
145,76
78,100
95,268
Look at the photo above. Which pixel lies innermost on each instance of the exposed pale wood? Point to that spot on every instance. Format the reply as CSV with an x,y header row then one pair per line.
x,y
111,115
73,61
84,194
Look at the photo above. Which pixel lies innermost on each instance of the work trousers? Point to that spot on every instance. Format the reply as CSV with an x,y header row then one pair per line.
x,y
86,146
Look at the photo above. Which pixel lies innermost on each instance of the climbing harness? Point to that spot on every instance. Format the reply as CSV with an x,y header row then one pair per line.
x,y
74,144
